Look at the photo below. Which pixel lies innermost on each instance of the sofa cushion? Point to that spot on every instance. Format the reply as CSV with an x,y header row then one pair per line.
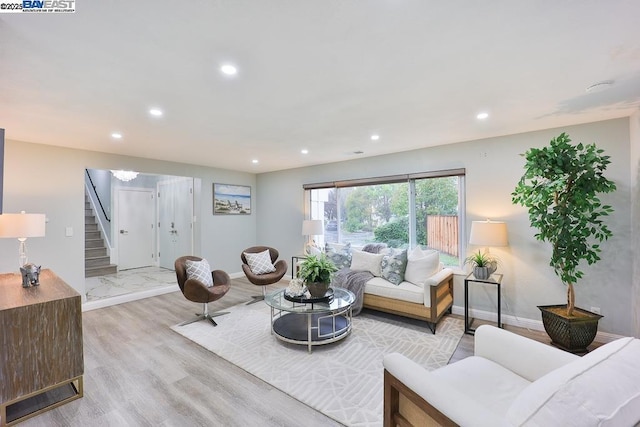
x,y
404,291
485,381
393,265
366,261
602,388
421,265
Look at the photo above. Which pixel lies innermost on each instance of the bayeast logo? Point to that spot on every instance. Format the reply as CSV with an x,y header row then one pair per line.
x,y
48,6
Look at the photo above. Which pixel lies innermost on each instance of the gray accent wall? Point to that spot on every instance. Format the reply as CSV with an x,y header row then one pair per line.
x,y
634,127
493,167
53,184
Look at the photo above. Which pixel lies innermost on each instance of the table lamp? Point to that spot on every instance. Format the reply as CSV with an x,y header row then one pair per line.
x,y
488,233
311,227
22,226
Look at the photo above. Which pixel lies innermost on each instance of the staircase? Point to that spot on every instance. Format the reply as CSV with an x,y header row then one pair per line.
x,y
96,260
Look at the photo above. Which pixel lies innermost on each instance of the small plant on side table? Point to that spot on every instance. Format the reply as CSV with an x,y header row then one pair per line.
x,y
484,265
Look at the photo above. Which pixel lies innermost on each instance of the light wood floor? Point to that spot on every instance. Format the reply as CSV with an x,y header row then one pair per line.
x,y
140,373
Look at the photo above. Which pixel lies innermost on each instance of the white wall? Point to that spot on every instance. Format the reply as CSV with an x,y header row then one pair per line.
x,y
45,179
635,215
493,167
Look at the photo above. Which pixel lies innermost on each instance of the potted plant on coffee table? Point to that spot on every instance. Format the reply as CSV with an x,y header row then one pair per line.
x,y
317,271
560,188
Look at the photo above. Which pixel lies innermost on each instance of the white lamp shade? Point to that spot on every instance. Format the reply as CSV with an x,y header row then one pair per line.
x,y
22,225
488,233
312,227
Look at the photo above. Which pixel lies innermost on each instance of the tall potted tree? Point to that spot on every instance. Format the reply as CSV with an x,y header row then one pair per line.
x,y
560,188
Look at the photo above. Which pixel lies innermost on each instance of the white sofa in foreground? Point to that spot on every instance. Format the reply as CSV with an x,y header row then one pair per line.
x,y
516,381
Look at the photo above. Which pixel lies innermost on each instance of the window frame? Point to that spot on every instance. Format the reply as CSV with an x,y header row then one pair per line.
x,y
391,179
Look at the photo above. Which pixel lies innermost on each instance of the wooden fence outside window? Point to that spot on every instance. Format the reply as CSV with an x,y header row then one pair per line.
x,y
442,233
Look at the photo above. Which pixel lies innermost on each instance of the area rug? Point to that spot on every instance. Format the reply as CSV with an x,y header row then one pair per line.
x,y
343,380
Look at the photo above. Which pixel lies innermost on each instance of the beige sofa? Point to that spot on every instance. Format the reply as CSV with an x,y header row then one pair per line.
x,y
515,381
423,288
429,302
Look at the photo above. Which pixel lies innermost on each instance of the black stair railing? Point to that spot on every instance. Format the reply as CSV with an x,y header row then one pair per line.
x,y
97,197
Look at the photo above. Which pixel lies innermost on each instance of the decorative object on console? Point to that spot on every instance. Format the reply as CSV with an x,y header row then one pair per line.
x,y
317,271
311,228
124,176
30,275
22,226
560,188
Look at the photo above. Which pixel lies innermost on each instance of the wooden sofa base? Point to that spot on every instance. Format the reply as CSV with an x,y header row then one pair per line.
x,y
441,303
404,408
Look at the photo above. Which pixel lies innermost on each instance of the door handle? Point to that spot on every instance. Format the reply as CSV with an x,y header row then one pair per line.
x,y
124,232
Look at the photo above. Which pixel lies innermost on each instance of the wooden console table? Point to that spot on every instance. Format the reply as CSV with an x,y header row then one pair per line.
x,y
40,344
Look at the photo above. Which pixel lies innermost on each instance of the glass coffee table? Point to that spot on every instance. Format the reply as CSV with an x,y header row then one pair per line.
x,y
314,321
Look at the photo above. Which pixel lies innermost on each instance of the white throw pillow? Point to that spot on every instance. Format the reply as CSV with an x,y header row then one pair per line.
x,y
366,261
199,270
260,263
421,265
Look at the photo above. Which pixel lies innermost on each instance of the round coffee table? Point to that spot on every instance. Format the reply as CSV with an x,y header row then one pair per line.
x,y
311,322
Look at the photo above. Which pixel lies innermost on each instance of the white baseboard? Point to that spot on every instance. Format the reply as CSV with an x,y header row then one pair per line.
x,y
120,299
236,275
535,325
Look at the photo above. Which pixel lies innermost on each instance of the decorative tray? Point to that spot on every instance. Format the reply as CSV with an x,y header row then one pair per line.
x,y
304,300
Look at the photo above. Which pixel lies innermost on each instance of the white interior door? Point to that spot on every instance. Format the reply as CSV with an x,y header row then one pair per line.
x,y
175,228
135,228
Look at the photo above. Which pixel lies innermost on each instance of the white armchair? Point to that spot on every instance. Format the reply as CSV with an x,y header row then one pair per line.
x,y
515,381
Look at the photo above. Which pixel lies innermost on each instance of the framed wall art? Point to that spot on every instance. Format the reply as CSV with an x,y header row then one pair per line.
x,y
229,199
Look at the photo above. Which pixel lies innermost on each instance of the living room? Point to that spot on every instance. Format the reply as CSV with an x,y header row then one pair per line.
x,y
43,175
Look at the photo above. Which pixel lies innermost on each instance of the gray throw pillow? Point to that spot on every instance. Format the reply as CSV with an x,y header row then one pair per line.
x,y
394,264
341,258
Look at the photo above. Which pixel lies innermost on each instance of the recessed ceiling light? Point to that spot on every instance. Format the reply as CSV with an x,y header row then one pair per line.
x,y
229,70
482,116
116,135
358,152
597,87
254,161
304,151
375,137
155,112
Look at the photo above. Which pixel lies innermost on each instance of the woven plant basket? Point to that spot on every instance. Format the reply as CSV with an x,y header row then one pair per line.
x,y
570,334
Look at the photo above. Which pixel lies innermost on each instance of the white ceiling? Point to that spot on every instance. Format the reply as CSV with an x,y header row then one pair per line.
x,y
316,74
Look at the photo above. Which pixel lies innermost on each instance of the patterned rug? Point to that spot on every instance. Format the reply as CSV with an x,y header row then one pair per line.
x,y
343,380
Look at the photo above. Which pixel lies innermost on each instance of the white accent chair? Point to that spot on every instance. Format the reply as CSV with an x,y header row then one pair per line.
x,y
515,381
